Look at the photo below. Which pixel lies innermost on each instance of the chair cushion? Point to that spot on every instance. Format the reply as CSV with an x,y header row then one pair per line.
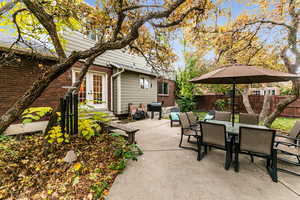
x,y
208,117
174,116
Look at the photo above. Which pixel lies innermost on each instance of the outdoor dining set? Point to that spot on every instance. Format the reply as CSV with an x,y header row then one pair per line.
x,y
244,137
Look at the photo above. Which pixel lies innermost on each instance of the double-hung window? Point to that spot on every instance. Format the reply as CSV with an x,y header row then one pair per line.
x,y
163,88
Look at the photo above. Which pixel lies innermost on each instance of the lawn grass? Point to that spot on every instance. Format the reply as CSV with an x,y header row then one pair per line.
x,y
284,124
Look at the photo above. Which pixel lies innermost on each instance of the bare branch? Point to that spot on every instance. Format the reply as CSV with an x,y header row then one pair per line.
x,y
140,6
270,22
178,21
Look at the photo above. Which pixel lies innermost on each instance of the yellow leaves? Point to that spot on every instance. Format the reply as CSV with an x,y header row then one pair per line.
x,y
77,166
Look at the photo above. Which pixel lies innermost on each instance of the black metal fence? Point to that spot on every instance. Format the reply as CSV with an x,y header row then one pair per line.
x,y
69,114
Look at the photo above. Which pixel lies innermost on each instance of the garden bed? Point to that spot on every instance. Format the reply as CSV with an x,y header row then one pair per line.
x,y
28,173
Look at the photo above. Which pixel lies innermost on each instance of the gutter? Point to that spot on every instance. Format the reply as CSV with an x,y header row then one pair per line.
x,y
111,84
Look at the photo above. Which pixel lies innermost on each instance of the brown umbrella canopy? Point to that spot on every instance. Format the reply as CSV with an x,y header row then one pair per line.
x,y
243,74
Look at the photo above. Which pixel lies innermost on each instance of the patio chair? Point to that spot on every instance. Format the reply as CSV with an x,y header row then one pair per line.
x,y
174,115
210,115
246,118
193,119
290,150
214,135
194,123
291,137
222,116
187,130
260,143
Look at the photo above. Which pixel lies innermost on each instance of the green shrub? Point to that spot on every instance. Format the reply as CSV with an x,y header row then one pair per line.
x,y
220,104
35,113
186,104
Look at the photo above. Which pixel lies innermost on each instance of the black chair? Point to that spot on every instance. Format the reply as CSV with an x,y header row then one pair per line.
x,y
246,118
214,135
257,142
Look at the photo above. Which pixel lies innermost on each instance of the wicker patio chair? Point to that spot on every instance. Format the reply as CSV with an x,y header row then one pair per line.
x,y
222,116
260,143
187,130
174,115
214,135
246,118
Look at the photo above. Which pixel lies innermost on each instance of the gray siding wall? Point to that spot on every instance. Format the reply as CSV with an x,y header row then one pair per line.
x,y
76,41
131,92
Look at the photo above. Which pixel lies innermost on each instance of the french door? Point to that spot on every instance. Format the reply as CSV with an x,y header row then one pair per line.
x,y
93,89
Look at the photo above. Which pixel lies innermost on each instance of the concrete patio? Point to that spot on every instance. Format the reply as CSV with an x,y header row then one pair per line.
x,y
169,173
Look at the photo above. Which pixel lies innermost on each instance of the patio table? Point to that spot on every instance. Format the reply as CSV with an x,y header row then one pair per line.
x,y
234,130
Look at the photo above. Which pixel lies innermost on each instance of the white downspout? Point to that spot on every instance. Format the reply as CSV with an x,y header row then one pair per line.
x,y
111,84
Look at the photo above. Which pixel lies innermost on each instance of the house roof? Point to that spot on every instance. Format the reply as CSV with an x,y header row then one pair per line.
x,y
134,69
40,50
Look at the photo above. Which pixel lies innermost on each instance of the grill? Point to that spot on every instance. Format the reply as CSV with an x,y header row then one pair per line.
x,y
154,107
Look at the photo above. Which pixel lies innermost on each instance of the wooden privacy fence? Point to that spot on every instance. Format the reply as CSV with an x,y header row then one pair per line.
x,y
207,102
69,114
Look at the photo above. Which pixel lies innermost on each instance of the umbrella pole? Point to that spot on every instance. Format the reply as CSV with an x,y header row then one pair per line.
x,y
233,95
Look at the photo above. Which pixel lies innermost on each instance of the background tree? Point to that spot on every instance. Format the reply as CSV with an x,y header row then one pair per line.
x,y
120,24
267,38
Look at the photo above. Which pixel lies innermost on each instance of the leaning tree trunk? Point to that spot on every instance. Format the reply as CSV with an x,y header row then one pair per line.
x,y
266,107
35,91
283,104
246,101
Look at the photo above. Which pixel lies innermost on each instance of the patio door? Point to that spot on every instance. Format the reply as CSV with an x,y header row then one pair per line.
x,y
93,89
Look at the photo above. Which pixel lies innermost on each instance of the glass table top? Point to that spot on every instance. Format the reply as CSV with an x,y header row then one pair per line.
x,y
235,129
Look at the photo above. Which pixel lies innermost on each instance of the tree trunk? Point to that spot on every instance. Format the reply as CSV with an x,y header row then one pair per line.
x,y
35,91
283,104
266,107
246,101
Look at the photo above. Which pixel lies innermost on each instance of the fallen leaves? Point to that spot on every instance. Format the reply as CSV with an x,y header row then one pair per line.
x,y
28,173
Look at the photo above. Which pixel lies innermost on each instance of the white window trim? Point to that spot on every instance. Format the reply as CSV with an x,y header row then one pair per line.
x,y
145,78
105,86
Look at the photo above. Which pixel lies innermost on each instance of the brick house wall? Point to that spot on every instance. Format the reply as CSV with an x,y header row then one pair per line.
x,y
17,78
167,99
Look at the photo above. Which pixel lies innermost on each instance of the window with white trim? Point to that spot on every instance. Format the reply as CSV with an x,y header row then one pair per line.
x,y
145,83
163,88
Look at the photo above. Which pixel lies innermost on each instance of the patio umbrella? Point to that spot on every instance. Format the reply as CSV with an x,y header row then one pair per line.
x,y
242,74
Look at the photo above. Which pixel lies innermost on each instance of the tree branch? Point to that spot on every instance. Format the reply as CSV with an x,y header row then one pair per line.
x,y
8,6
47,21
178,21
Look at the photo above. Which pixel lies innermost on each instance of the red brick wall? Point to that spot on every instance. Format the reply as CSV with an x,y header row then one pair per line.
x,y
19,77
168,100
